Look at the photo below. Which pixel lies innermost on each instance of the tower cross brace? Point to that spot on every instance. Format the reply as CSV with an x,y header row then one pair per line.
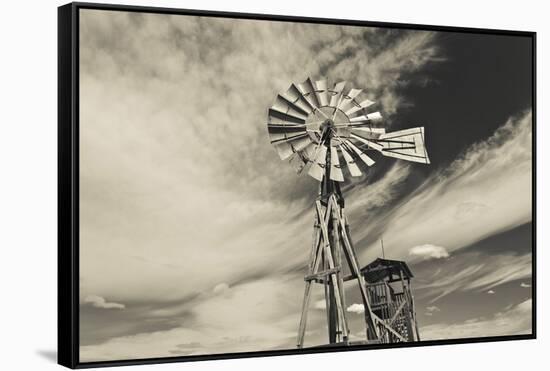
x,y
331,242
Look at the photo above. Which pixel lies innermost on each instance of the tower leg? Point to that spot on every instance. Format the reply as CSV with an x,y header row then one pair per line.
x,y
338,314
331,239
372,331
303,319
315,259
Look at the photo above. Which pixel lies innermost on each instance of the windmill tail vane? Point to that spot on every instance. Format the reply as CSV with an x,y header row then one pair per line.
x,y
324,129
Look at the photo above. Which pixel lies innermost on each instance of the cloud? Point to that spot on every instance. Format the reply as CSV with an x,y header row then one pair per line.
x,y
430,310
379,193
495,274
180,186
356,308
258,315
473,271
485,191
163,190
514,320
220,288
523,284
491,292
385,69
428,252
99,302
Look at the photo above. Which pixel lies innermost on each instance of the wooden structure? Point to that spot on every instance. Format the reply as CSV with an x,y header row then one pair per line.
x,y
388,284
332,247
324,128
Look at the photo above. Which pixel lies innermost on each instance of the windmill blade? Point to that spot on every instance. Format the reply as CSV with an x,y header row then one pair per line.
x,y
347,98
366,159
369,142
300,143
309,153
301,159
336,93
321,92
372,131
286,116
277,138
313,125
317,169
307,89
284,133
297,163
285,148
359,106
405,144
352,166
278,128
281,119
366,119
282,104
335,168
375,116
294,96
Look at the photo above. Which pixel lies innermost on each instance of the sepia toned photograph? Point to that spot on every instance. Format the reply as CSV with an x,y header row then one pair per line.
x,y
265,185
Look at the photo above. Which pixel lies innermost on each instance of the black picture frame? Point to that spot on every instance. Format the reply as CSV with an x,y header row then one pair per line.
x,y
68,182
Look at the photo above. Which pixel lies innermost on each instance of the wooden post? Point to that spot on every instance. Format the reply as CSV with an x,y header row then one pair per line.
x,y
372,331
331,238
328,255
408,318
315,258
338,261
334,313
414,313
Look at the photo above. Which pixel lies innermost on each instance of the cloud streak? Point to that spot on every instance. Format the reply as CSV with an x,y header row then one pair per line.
x,y
474,272
485,191
428,252
99,302
514,320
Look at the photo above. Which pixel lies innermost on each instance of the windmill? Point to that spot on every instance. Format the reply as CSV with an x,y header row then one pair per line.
x,y
321,130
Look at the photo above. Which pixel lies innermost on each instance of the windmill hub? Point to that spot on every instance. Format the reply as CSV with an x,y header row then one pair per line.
x,y
327,126
327,122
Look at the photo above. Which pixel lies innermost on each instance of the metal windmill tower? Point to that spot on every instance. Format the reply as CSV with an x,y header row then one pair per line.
x,y
320,129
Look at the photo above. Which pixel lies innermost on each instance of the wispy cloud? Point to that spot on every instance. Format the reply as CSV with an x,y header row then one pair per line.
x,y
356,308
430,310
474,272
255,315
220,288
99,302
385,69
515,320
486,191
428,251
184,155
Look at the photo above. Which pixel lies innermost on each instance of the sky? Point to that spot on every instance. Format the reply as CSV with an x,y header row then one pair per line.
x,y
194,235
